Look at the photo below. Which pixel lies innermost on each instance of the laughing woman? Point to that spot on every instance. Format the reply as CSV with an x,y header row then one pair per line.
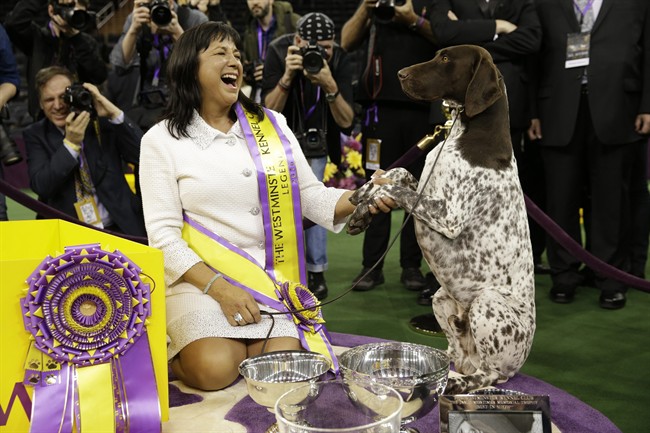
x,y
225,187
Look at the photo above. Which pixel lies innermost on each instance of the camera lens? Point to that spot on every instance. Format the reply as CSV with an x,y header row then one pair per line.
x,y
160,13
312,62
385,10
79,99
79,19
76,18
9,153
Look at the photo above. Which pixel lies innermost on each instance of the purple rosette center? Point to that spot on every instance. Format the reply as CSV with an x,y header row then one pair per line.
x,y
86,305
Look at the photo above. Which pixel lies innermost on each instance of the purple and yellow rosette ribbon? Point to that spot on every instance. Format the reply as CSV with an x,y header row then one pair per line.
x,y
87,311
303,305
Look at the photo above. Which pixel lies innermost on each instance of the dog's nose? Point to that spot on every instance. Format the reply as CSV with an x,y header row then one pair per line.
x,y
402,74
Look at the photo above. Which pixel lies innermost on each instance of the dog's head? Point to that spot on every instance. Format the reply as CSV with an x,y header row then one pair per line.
x,y
464,74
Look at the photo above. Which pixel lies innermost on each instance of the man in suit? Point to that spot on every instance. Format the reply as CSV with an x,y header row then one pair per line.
x,y
510,31
75,154
591,111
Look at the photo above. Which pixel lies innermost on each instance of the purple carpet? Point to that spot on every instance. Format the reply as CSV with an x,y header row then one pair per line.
x,y
568,413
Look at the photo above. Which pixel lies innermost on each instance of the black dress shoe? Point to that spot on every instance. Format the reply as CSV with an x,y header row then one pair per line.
x,y
363,282
542,269
412,279
432,286
562,293
612,301
316,284
425,296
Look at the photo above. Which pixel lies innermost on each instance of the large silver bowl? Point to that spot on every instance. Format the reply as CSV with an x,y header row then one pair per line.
x,y
270,375
419,373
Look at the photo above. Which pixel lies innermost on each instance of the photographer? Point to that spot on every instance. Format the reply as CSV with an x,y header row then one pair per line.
x,y
76,153
137,83
269,20
394,34
9,82
56,43
309,79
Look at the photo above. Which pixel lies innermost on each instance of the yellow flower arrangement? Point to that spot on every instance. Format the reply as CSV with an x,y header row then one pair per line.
x,y
350,173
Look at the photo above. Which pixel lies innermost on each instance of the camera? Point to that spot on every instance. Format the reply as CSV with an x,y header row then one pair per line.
x,y
385,9
313,143
77,18
9,153
79,99
160,13
249,71
312,57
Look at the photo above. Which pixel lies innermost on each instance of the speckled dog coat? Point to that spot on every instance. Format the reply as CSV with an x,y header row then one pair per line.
x,y
470,220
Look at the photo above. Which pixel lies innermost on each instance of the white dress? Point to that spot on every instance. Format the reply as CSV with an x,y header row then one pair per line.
x,y
213,178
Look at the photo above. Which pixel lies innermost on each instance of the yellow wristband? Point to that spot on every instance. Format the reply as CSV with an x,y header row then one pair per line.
x,y
73,146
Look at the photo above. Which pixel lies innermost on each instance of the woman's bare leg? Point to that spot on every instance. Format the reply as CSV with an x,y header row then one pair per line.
x,y
209,363
273,345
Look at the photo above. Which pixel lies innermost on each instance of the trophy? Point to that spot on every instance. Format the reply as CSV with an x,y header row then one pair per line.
x,y
418,373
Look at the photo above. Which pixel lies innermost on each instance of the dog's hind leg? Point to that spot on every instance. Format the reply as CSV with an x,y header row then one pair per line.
x,y
503,330
501,334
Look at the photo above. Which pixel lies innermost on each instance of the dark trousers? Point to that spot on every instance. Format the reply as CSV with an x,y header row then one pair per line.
x,y
640,211
531,176
587,173
399,127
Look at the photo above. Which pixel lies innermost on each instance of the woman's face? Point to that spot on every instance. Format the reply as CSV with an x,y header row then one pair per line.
x,y
220,73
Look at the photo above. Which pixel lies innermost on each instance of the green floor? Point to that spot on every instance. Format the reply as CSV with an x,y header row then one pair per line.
x,y
602,357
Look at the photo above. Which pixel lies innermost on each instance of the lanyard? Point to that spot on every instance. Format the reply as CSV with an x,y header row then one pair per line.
x,y
163,50
584,10
263,39
310,111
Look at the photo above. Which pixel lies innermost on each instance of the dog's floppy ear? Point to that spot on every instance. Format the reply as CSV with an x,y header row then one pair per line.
x,y
483,89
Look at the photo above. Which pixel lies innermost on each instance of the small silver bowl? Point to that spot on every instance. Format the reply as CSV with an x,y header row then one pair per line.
x,y
419,373
270,375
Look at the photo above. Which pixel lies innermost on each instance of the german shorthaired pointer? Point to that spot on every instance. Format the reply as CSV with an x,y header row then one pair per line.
x,y
470,219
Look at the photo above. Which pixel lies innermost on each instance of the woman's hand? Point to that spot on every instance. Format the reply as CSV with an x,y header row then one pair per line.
x,y
235,301
381,204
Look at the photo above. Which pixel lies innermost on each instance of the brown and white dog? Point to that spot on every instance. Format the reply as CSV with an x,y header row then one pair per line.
x,y
470,219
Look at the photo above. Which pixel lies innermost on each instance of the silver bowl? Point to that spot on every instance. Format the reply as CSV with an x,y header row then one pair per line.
x,y
272,374
418,373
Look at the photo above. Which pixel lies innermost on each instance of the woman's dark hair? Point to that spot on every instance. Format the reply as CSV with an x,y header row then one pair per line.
x,y
182,76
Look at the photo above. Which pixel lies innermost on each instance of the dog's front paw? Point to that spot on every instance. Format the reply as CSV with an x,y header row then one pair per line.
x,y
362,193
360,219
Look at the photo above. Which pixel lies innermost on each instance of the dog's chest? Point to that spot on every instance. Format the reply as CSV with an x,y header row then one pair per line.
x,y
486,207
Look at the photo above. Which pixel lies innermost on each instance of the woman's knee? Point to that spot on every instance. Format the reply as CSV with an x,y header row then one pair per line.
x,y
212,368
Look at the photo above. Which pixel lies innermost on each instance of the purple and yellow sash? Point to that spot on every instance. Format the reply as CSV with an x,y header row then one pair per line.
x,y
280,282
90,361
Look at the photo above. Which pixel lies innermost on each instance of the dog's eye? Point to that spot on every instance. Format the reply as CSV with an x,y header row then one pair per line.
x,y
445,59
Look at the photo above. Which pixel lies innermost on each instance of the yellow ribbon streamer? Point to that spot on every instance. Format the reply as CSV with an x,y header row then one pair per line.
x,y
96,403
